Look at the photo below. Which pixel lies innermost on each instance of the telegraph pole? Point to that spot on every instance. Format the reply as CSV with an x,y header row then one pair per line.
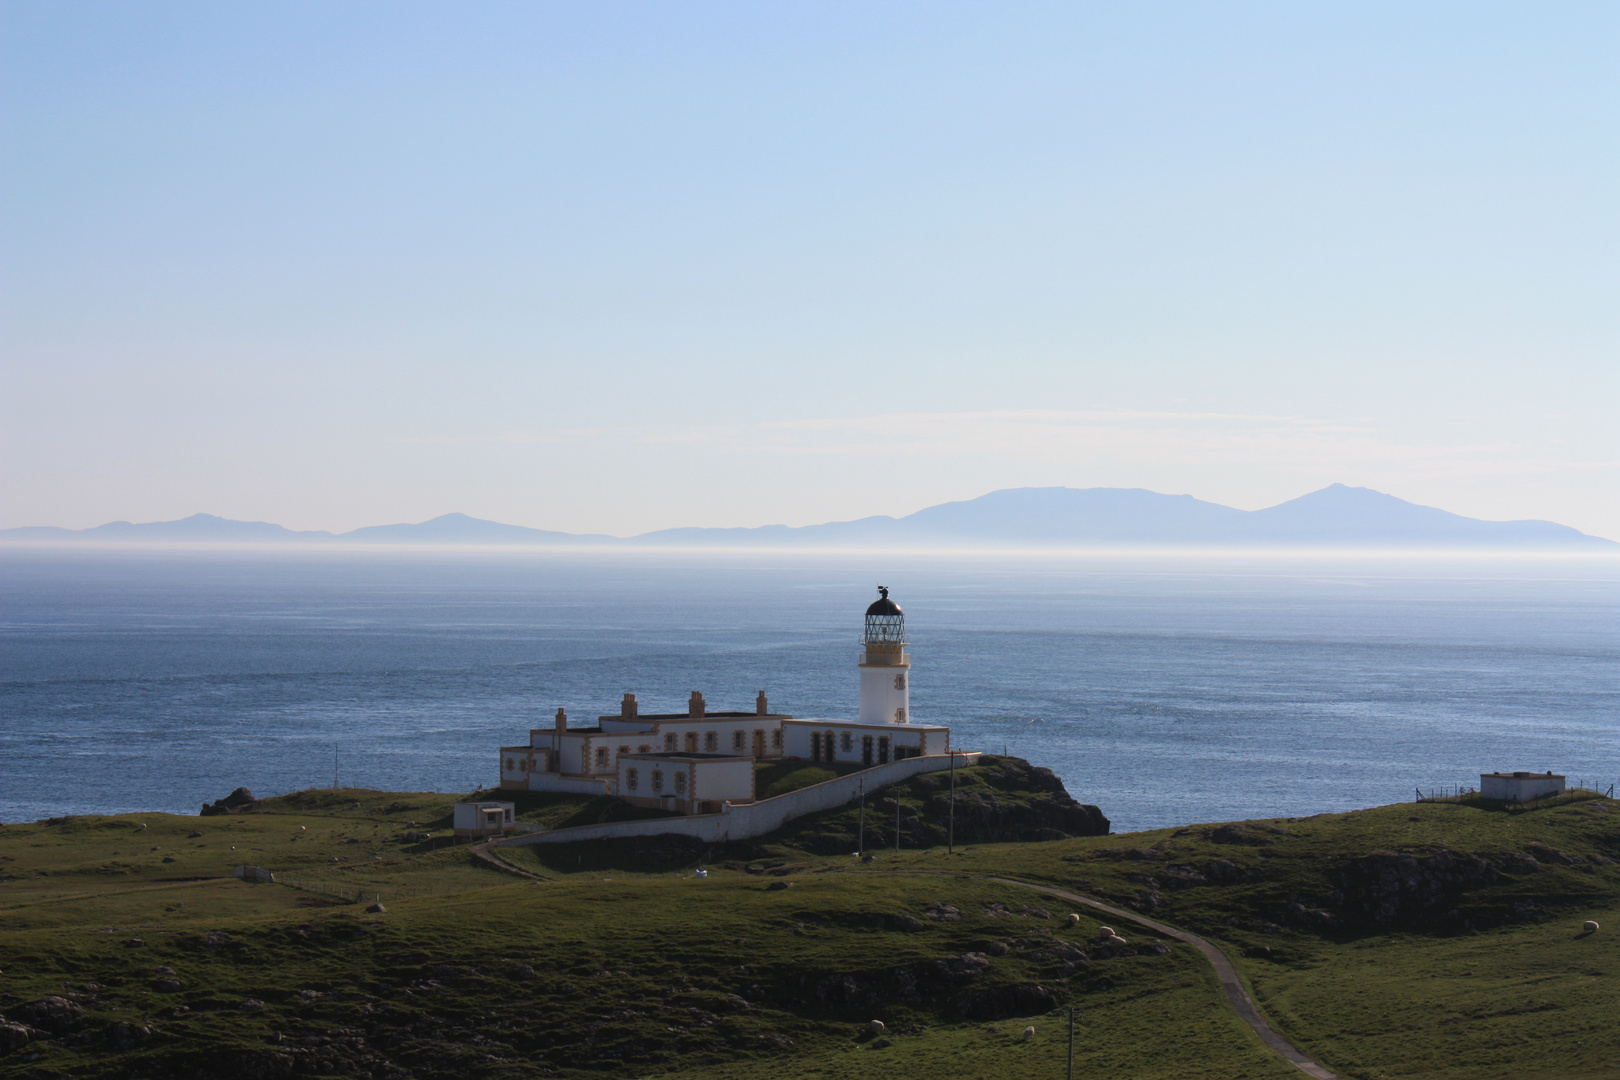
x,y
1071,1044
950,835
897,819
860,843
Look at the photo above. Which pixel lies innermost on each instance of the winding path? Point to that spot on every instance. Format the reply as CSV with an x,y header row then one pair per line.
x,y
1236,996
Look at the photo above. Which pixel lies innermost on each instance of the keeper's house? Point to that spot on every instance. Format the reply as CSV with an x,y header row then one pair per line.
x,y
692,762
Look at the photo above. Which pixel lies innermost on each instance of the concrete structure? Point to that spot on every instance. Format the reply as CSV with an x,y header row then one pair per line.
x,y
1519,786
482,818
736,821
249,872
700,762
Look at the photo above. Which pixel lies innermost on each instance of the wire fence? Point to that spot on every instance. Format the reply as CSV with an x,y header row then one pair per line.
x,y
1438,792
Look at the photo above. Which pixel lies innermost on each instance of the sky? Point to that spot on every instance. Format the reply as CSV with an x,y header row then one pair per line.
x,y
614,267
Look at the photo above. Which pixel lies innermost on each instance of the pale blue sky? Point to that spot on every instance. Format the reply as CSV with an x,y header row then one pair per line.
x,y
616,267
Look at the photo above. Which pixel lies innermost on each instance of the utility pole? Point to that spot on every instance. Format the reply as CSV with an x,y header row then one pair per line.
x,y
860,842
334,767
950,834
1071,1044
897,819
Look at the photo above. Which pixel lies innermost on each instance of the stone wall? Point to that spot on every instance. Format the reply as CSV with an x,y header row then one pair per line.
x,y
755,819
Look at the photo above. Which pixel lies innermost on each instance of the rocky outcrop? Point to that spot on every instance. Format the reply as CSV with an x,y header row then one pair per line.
x,y
1396,886
240,799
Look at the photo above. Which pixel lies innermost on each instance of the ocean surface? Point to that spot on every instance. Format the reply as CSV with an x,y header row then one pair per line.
x,y
1166,691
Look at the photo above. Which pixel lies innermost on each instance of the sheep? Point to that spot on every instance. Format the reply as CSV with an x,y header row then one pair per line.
x,y
1029,1033
1105,931
877,1027
1073,919
1590,926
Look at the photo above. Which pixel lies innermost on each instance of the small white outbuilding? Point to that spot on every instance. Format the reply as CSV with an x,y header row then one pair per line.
x,y
483,818
1519,786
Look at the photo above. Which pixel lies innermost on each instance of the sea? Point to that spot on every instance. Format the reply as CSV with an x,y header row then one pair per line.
x,y
1166,690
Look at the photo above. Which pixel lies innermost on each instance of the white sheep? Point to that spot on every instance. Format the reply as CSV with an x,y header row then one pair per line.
x,y
1590,926
1073,919
877,1027
1105,931
1029,1033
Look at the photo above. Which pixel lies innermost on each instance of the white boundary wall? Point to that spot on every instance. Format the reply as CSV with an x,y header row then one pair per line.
x,y
755,819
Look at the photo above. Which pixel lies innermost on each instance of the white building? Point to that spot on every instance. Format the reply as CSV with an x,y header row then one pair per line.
x,y
692,762
1519,786
482,818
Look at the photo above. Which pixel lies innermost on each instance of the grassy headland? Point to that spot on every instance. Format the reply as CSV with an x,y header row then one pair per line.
x,y
1434,940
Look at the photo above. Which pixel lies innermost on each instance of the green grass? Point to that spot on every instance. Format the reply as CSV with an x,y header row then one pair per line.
x,y
636,968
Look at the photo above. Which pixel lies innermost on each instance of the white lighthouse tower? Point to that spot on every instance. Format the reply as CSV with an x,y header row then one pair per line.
x,y
885,666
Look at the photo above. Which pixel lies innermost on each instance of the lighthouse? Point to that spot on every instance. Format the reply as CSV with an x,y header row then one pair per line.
x,y
885,665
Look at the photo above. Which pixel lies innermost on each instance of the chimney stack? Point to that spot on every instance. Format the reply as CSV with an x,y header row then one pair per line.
x,y
562,721
695,706
761,706
627,707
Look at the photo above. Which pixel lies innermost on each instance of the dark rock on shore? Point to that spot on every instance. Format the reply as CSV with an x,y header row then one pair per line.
x,y
240,799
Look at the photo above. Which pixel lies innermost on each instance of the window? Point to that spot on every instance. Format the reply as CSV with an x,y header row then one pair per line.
x,y
523,766
509,763
691,742
669,743
711,742
883,749
658,780
626,749
866,749
680,783
738,740
848,742
899,682
642,749
631,779
601,757
776,739
900,715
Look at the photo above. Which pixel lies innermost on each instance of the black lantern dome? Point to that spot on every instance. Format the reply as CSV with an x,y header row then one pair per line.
x,y
885,622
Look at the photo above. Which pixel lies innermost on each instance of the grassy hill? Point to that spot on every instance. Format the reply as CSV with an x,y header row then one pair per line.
x,y
1433,940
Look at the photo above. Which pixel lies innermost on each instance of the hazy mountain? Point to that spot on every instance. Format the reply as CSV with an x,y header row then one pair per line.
x,y
461,529
196,529
1336,516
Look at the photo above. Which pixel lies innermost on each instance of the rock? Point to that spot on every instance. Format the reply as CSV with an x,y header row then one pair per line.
x,y
376,909
135,942
1239,834
964,965
942,912
124,1035
240,799
168,985
880,1044
778,886
525,972
251,1005
14,1037
997,1003
53,1014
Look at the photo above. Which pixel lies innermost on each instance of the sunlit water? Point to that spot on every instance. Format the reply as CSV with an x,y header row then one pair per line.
x,y
1165,691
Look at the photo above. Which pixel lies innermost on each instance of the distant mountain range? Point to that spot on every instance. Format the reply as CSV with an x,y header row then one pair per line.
x,y
1335,517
